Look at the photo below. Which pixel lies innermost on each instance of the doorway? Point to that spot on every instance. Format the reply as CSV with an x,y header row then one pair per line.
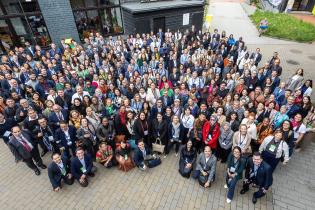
x,y
158,23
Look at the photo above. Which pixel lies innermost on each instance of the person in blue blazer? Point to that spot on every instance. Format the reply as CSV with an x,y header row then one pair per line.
x,y
82,167
143,157
66,138
59,169
259,173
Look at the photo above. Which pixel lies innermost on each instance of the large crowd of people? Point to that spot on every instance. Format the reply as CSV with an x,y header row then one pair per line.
x,y
131,102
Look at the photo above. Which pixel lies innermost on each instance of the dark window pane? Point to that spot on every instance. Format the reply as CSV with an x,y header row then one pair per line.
x,y
90,3
12,6
75,4
29,6
87,22
109,2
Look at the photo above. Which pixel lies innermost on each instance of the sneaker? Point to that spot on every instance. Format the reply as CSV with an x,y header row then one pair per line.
x,y
165,156
37,172
228,200
225,186
176,154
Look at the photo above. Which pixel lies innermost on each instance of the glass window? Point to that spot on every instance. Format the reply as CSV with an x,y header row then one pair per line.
x,y
109,2
12,6
76,4
20,6
39,30
5,35
90,3
87,22
21,29
111,20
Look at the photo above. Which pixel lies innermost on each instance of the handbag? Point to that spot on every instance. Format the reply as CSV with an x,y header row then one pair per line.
x,y
158,146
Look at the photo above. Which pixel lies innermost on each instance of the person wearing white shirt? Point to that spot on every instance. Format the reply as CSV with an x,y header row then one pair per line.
x,y
79,94
187,120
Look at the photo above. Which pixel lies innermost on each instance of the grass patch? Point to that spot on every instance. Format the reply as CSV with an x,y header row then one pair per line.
x,y
285,26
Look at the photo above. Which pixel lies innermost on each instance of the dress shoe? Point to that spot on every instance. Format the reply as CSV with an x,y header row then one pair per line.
x,y
254,200
91,174
43,153
243,191
37,172
42,166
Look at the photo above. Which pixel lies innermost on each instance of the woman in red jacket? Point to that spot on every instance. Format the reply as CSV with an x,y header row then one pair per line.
x,y
211,133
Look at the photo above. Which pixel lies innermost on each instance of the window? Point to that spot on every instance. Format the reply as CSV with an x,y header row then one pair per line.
x,y
21,21
20,6
97,16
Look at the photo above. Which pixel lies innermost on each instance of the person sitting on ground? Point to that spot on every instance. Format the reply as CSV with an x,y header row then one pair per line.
x,y
143,157
235,167
205,168
123,157
187,159
82,167
105,155
257,172
59,169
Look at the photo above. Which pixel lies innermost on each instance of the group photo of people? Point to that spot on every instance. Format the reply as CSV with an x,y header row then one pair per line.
x,y
130,102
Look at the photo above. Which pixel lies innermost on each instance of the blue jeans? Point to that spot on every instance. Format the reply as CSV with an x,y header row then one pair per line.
x,y
231,185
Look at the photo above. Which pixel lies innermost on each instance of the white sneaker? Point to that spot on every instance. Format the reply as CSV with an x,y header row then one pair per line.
x,y
165,156
228,200
176,154
225,186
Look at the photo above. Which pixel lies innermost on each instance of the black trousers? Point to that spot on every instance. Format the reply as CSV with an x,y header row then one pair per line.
x,y
34,157
223,153
257,194
171,144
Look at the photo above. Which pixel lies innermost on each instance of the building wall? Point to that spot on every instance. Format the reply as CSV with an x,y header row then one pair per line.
x,y
143,22
59,19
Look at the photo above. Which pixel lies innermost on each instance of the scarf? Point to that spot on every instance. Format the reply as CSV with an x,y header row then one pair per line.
x,y
122,117
175,130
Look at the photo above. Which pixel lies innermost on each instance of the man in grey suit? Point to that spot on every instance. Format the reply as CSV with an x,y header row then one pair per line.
x,y
205,168
24,149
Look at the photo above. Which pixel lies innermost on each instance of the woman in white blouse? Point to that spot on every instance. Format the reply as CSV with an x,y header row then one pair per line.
x,y
242,139
187,120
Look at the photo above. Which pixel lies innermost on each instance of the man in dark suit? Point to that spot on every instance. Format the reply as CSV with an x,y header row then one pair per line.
x,y
143,157
57,116
59,169
156,109
5,127
257,172
63,100
24,149
167,100
174,63
29,50
256,56
65,137
81,167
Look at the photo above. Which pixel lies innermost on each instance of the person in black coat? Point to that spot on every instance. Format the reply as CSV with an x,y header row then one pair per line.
x,y
10,109
82,167
5,127
24,149
141,129
59,169
63,100
187,159
65,137
259,173
160,131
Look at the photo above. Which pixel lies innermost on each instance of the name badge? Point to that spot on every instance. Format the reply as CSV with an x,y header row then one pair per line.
x,y
145,133
83,169
232,169
272,148
7,134
51,138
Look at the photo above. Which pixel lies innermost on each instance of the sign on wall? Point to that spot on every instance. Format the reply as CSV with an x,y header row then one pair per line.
x,y
185,19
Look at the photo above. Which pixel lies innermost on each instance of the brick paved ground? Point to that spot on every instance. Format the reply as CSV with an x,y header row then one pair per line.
x,y
159,188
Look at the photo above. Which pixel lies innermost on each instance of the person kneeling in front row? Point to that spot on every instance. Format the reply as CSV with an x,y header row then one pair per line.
x,y
205,167
143,157
258,172
59,169
81,167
